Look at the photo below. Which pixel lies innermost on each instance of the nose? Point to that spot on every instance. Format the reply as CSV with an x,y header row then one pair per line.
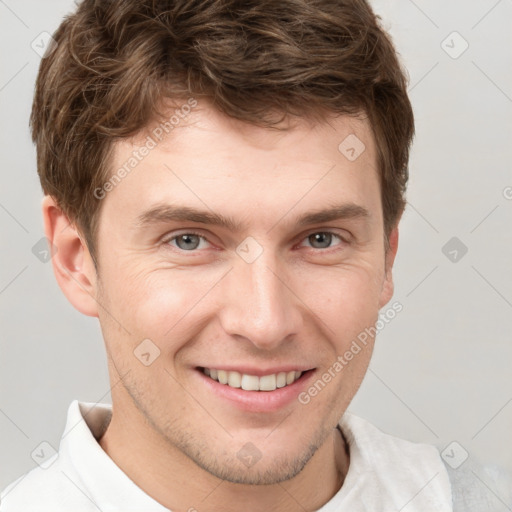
x,y
259,305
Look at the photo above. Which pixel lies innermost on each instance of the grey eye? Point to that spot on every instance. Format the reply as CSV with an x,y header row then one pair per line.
x,y
320,240
188,242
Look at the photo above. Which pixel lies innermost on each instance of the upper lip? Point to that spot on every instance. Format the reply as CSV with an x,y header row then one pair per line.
x,y
259,372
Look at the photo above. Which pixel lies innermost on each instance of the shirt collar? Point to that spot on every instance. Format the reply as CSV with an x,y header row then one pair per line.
x,y
91,469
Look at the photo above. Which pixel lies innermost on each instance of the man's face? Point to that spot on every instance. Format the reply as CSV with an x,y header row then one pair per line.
x,y
268,294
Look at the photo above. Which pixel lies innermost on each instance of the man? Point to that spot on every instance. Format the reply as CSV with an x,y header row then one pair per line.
x,y
223,184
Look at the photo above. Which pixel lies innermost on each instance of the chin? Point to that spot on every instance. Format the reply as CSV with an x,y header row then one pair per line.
x,y
261,473
250,466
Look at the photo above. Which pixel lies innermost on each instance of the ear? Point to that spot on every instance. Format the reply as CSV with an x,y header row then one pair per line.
x,y
72,263
388,286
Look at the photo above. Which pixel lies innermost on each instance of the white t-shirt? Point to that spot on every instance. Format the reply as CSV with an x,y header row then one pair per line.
x,y
386,474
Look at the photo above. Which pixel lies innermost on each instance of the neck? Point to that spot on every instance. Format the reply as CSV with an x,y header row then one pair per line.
x,y
175,481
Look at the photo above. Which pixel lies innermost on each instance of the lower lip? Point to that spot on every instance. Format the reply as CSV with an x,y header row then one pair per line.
x,y
258,401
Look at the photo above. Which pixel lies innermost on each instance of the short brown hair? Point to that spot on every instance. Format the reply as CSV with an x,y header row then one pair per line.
x,y
116,60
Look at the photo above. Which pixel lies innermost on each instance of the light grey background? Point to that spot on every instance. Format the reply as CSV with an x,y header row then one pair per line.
x,y
441,371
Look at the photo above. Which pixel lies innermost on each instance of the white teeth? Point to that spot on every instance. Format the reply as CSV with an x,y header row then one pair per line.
x,y
252,382
281,380
234,379
222,375
268,382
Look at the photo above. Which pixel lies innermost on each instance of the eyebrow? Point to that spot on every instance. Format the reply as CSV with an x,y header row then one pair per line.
x,y
166,213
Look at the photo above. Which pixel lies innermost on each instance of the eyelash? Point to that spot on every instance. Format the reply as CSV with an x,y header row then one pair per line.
x,y
167,241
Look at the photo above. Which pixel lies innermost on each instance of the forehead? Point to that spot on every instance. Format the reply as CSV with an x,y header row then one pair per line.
x,y
211,161
298,139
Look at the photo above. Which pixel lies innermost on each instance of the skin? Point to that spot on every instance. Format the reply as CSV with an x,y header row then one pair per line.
x,y
301,302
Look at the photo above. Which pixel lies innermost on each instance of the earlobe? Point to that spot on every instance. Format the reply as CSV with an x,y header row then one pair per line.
x,y
71,260
388,285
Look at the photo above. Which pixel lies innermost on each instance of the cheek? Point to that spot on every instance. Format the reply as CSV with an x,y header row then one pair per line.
x,y
159,304
346,298
162,306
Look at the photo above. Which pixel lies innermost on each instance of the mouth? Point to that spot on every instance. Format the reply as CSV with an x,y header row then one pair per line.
x,y
255,390
248,382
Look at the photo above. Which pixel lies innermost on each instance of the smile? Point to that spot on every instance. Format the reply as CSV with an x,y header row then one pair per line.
x,y
247,382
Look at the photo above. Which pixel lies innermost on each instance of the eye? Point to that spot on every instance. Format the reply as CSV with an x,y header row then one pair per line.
x,y
191,241
187,241
323,239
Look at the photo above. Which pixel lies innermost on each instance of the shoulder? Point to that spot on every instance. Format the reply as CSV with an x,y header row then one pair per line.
x,y
480,488
474,486
396,471
57,483
44,490
33,489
